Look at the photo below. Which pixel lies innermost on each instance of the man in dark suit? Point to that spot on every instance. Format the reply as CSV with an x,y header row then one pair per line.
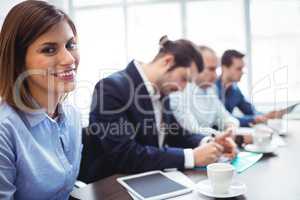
x,y
130,119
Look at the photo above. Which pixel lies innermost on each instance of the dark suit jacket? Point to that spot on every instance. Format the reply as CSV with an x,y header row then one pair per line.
x,y
232,98
125,135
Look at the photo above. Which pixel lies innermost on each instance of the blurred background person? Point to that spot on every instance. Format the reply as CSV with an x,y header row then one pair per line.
x,y
229,93
197,108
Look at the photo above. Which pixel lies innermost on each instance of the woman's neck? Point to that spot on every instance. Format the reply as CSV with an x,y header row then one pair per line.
x,y
47,100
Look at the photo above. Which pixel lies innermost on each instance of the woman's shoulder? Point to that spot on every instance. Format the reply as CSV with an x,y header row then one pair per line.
x,y
7,114
9,121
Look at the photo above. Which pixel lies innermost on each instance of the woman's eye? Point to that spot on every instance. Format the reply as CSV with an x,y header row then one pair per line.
x,y
71,45
49,50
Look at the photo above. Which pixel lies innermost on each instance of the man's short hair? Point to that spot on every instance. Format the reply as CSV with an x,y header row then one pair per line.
x,y
203,48
228,56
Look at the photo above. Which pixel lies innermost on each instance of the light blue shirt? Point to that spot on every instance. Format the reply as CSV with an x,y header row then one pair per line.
x,y
197,109
39,156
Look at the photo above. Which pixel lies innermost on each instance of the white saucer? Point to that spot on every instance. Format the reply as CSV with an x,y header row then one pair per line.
x,y
256,149
283,132
236,189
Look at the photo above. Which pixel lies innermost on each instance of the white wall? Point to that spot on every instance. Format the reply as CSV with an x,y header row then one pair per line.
x,y
62,4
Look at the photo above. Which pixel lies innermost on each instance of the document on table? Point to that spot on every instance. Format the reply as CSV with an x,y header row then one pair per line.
x,y
243,161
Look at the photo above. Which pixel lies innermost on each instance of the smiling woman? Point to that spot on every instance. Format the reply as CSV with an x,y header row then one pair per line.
x,y
55,59
40,135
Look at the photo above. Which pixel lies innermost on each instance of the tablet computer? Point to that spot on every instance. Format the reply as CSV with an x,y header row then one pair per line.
x,y
154,185
290,108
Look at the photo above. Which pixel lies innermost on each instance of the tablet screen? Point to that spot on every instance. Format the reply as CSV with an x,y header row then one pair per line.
x,y
291,108
153,185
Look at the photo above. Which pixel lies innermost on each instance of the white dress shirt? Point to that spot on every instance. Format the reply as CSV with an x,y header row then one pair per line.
x,y
197,109
157,107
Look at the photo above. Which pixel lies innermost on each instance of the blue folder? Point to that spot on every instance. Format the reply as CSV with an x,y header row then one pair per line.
x,y
243,161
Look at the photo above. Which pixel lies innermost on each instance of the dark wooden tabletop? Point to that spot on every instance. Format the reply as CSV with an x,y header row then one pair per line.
x,y
275,177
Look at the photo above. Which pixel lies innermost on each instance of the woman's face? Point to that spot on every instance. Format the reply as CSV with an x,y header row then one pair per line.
x,y
51,61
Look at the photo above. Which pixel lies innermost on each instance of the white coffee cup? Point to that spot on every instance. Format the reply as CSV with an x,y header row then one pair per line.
x,y
262,136
279,125
275,124
220,176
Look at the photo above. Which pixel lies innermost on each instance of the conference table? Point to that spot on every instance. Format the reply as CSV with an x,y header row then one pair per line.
x,y
275,176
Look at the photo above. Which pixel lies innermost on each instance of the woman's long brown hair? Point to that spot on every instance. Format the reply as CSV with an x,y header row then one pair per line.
x,y
24,23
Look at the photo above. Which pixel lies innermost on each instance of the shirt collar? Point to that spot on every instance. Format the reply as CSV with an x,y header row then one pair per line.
x,y
154,93
207,90
219,83
36,117
221,86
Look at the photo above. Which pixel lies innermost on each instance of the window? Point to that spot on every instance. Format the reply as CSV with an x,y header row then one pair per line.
x,y
275,48
147,24
83,3
114,32
218,24
102,51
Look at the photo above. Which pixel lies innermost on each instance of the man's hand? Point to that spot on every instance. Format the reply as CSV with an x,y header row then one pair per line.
x,y
270,115
248,139
226,141
231,127
275,114
207,153
260,119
